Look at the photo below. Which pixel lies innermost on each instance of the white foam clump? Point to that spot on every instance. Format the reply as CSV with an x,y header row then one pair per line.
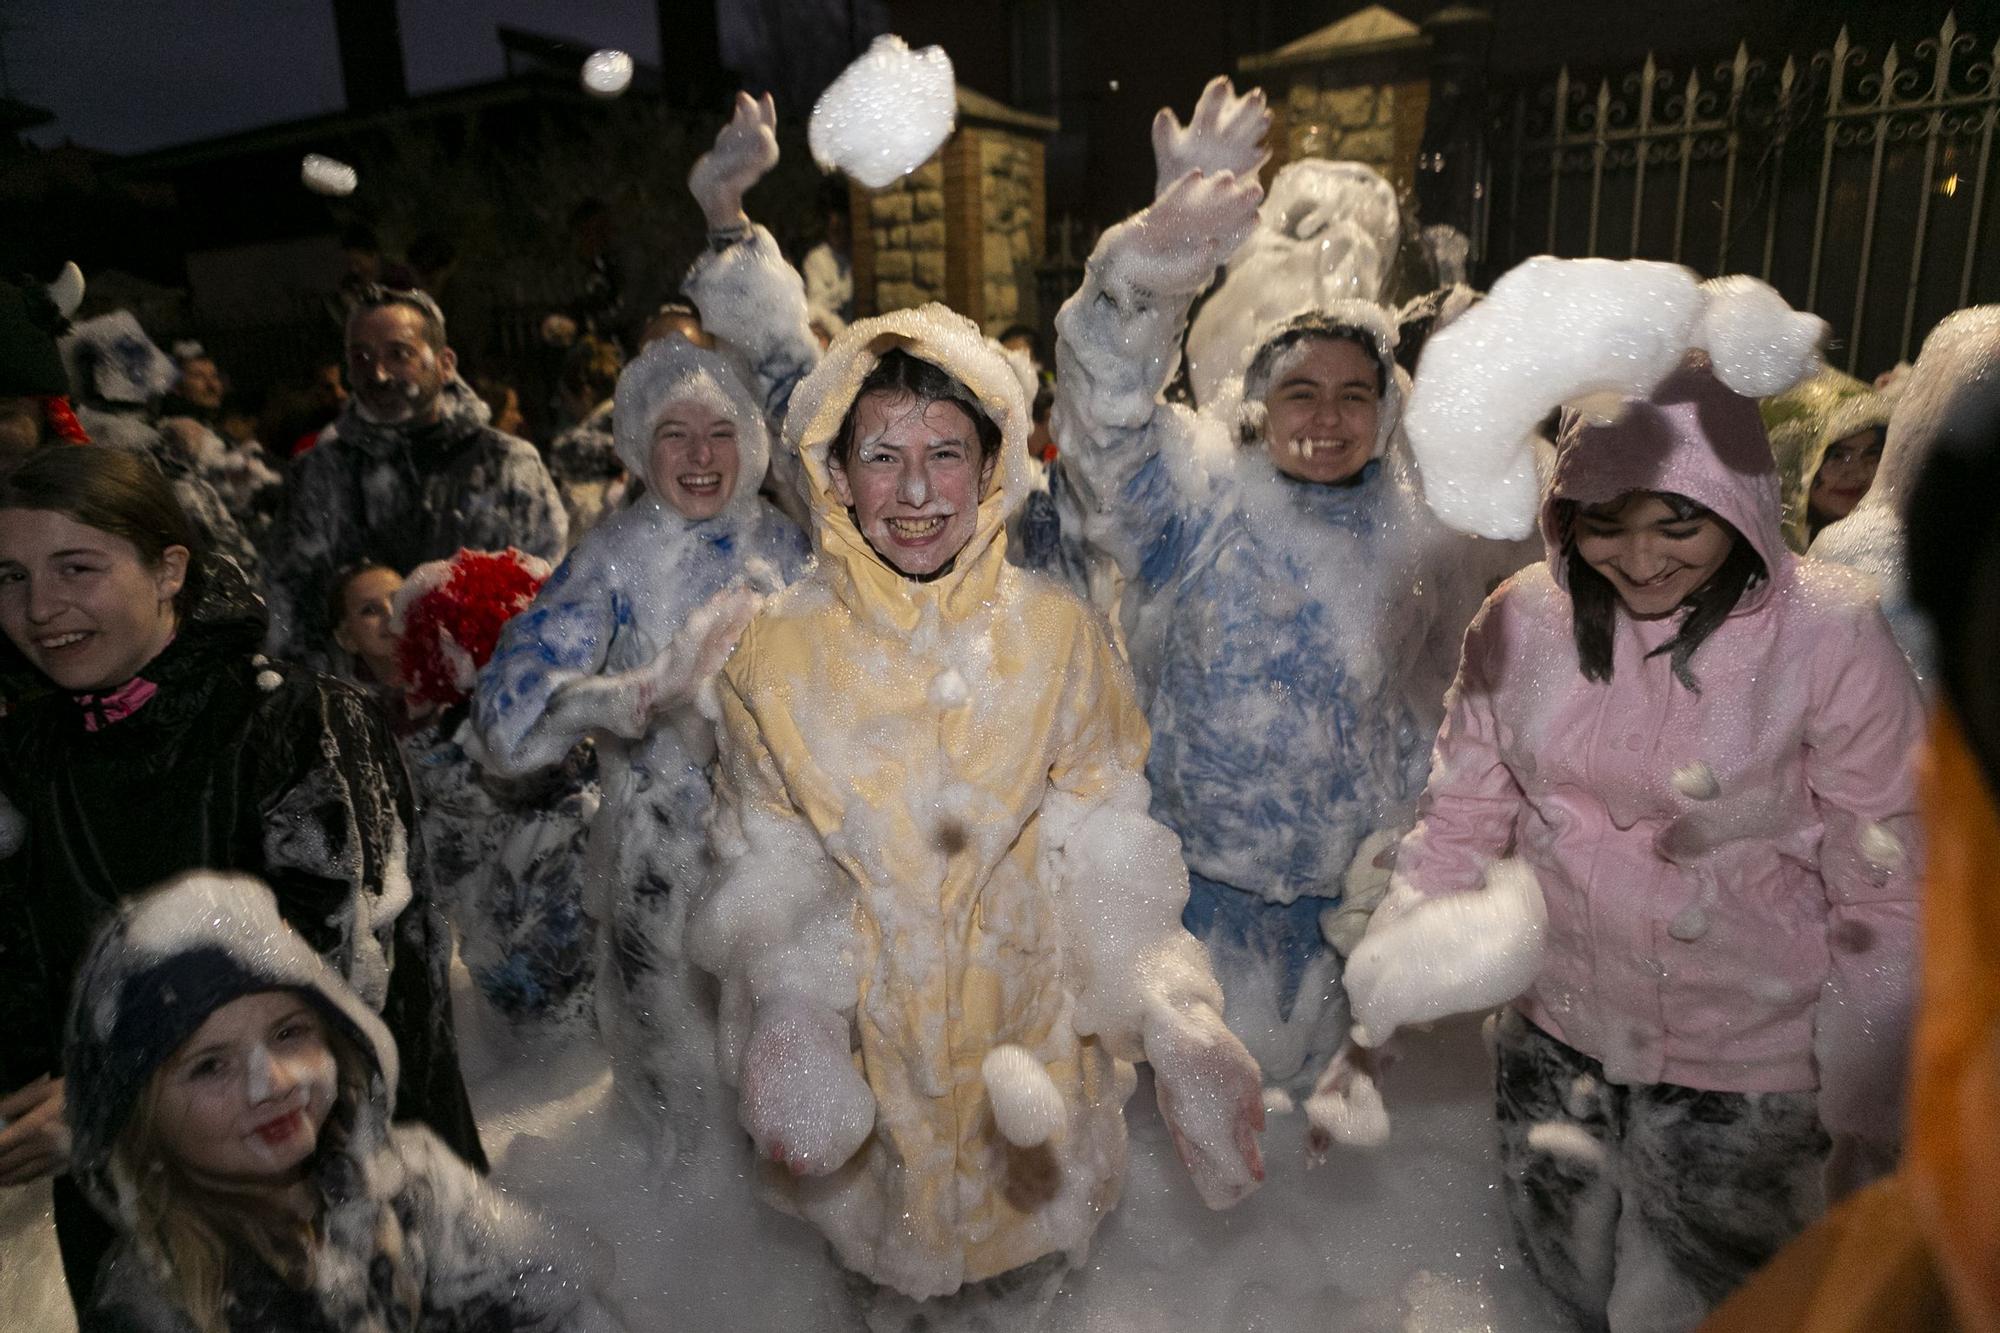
x,y
1350,1111
1757,344
801,1092
1026,1105
1697,781
1689,924
606,73
1557,331
1572,1143
1449,955
1880,846
328,176
949,690
886,114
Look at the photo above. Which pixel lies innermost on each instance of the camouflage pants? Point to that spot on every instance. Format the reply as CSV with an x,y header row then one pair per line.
x,y
1640,1206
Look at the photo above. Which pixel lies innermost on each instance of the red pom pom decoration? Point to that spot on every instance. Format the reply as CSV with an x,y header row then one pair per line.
x,y
452,612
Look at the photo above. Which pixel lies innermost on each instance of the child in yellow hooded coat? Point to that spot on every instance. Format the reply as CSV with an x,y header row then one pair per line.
x,y
944,923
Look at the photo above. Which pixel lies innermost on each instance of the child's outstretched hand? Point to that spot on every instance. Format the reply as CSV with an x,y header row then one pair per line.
x,y
1225,134
745,149
1174,246
1212,1096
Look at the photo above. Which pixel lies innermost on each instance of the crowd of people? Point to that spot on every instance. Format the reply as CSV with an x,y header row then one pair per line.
x,y
883,745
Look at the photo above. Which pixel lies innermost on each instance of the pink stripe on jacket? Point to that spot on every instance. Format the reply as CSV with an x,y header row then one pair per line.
x,y
1745,943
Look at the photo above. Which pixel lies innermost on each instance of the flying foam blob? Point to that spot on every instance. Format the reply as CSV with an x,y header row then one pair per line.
x,y
1588,334
606,73
886,114
328,176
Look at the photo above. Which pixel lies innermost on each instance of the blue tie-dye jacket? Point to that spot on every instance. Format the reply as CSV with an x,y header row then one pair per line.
x,y
1293,641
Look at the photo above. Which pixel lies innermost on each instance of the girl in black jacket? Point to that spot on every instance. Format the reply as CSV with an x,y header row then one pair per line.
x,y
161,742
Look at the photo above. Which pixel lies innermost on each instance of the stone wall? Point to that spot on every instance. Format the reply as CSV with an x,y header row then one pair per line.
x,y
1010,168
966,228
1378,124
907,231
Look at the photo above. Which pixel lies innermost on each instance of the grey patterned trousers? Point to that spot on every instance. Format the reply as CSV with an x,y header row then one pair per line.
x,y
1640,1206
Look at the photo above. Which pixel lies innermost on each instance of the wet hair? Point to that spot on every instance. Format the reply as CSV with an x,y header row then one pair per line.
x,y
336,587
1311,327
114,491
377,296
1594,602
898,374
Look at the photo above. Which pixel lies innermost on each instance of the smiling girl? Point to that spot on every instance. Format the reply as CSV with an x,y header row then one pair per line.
x,y
162,742
939,896
230,1111
1701,745
621,637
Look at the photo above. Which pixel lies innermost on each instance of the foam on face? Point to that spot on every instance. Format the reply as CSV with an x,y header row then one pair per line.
x,y
886,114
670,371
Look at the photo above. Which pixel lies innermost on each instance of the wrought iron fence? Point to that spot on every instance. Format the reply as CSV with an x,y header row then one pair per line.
x,y
1856,186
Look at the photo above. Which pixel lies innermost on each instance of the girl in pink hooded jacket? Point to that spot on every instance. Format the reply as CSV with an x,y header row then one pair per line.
x,y
1700,745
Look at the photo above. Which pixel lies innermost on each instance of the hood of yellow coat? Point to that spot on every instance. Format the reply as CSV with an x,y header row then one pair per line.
x,y
859,576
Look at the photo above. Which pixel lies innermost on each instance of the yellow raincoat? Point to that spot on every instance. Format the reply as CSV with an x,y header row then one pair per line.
x,y
931,819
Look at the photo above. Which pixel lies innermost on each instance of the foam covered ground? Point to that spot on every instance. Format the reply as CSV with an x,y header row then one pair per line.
x,y
1410,1237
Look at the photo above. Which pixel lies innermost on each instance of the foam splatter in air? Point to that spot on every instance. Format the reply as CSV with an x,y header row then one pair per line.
x,y
328,176
886,113
606,73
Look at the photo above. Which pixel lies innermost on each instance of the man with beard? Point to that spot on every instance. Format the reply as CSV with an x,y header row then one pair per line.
x,y
413,471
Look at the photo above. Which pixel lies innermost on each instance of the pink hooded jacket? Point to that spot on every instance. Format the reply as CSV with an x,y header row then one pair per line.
x,y
1746,927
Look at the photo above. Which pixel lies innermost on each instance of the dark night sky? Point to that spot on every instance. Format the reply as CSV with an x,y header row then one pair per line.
x,y
130,75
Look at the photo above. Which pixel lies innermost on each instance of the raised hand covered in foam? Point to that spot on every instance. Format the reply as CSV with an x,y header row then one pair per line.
x,y
745,149
1588,333
1212,1098
1174,246
1225,134
886,113
630,703
1427,958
